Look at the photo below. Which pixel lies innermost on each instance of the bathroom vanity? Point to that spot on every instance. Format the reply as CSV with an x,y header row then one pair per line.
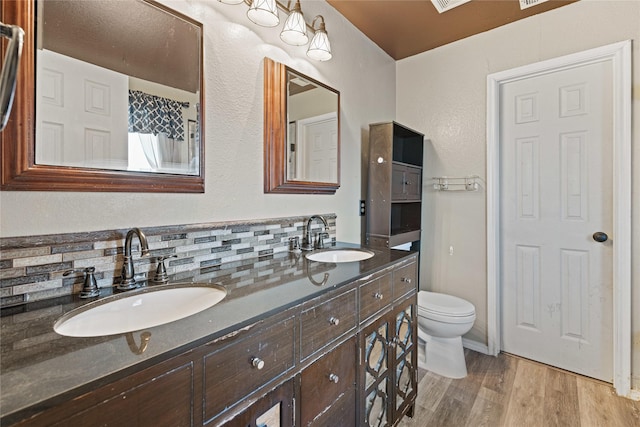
x,y
335,344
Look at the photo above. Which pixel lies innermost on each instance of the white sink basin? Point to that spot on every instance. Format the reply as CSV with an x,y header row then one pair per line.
x,y
139,309
340,255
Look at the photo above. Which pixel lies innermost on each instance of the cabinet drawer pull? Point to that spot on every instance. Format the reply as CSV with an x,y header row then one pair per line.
x,y
334,378
378,295
334,321
257,363
405,279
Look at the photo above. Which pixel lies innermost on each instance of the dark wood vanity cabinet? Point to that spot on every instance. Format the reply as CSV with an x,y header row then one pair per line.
x,y
375,295
388,350
389,368
276,409
323,321
233,370
405,360
162,395
328,388
345,358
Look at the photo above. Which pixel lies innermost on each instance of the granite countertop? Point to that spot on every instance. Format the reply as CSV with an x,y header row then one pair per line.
x,y
40,367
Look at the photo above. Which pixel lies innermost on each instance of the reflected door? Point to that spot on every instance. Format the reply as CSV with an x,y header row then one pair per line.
x,y
318,148
81,114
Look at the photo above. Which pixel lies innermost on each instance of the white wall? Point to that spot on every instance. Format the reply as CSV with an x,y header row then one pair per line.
x,y
443,94
234,49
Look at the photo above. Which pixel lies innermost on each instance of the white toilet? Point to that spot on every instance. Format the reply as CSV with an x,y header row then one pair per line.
x,y
442,320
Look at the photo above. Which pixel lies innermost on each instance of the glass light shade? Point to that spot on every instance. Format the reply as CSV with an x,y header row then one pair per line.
x,y
264,12
294,31
320,48
231,1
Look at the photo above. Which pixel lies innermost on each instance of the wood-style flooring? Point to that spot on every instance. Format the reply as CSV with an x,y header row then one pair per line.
x,y
511,391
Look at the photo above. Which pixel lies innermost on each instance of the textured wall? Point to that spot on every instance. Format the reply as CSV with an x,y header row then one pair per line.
x,y
443,94
234,49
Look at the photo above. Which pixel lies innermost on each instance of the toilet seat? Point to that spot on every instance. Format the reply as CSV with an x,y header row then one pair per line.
x,y
443,307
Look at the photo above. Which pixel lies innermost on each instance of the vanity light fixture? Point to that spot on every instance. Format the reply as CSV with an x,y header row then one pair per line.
x,y
294,31
319,48
264,12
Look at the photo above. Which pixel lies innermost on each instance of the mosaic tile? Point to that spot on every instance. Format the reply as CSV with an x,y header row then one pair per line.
x,y
31,267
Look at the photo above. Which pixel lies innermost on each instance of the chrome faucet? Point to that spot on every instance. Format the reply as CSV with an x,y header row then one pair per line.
x,y
308,243
128,280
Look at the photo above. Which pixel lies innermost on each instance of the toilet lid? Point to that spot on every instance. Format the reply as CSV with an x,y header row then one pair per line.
x,y
444,304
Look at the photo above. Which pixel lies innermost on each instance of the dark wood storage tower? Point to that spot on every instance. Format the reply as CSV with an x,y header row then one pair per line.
x,y
394,201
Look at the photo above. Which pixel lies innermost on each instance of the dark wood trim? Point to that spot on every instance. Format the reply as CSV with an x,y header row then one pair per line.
x,y
275,116
19,170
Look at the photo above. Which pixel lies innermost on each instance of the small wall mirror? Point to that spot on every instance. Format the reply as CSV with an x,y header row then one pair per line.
x,y
118,99
302,133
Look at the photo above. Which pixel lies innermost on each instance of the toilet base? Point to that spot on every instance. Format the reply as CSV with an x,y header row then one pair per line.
x,y
442,356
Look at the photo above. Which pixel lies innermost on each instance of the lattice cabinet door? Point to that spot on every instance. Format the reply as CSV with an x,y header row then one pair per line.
x,y
375,373
405,367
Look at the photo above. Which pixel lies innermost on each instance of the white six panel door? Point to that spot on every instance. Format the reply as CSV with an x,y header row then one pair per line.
x,y
82,113
318,148
556,162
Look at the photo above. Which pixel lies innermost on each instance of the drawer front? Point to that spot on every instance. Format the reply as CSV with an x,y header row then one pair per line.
x,y
374,296
320,325
326,380
240,368
405,279
169,397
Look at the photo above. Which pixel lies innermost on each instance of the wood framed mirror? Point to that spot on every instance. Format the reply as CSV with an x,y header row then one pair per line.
x,y
26,168
301,133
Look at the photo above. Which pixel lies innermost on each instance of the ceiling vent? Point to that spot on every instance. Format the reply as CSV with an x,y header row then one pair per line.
x,y
444,5
528,3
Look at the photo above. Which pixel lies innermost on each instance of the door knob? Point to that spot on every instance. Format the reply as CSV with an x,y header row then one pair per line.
x,y
600,237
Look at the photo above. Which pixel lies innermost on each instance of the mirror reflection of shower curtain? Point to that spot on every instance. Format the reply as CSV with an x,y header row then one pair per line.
x,y
160,124
159,150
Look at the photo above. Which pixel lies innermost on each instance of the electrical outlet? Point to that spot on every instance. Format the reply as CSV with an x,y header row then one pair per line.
x,y
363,208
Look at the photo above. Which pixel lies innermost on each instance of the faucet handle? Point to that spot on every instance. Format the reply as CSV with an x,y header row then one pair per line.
x,y
320,240
161,275
90,288
294,243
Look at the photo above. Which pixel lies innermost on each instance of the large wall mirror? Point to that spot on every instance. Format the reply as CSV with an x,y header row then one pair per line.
x,y
109,98
301,133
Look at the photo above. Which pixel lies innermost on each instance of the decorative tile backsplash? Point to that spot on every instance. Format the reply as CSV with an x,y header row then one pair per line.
x,y
31,268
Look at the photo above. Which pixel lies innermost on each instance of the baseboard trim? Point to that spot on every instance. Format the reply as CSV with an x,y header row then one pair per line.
x,y
634,394
475,346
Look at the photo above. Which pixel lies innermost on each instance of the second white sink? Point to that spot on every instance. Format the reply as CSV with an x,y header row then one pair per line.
x,y
139,309
340,255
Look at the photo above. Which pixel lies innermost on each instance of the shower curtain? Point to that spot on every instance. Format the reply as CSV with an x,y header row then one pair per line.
x,y
158,124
